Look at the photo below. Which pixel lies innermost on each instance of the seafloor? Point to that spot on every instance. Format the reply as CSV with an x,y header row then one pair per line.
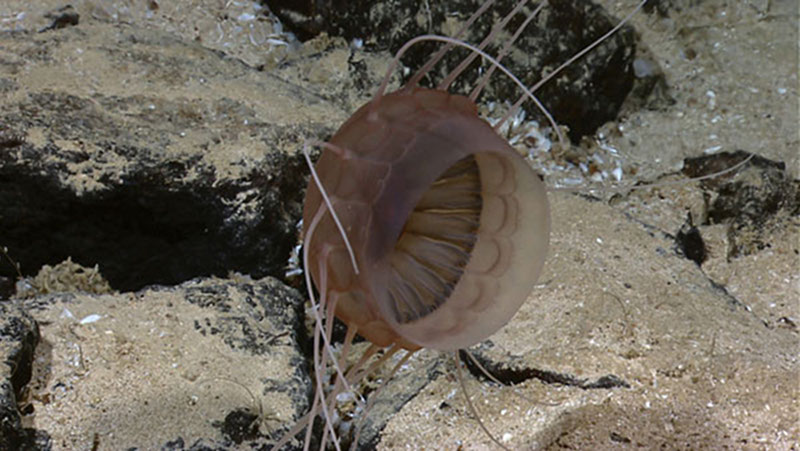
x,y
185,120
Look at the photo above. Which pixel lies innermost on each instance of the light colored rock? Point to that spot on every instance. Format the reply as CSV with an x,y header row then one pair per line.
x,y
167,364
615,298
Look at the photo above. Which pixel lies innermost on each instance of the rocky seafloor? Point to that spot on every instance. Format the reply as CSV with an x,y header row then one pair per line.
x,y
151,186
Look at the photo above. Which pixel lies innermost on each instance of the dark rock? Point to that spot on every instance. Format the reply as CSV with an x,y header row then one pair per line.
x,y
7,287
398,391
240,425
749,199
585,95
62,17
690,242
19,335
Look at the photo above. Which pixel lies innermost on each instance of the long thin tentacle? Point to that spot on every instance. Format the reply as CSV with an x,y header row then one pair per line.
x,y
460,376
451,77
514,390
318,392
358,375
490,59
503,52
621,189
323,366
328,203
375,394
348,342
358,372
566,63
311,417
340,381
314,309
414,80
319,327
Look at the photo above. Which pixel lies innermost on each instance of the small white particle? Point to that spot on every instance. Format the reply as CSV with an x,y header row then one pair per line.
x,y
273,41
293,272
599,240
608,148
712,149
507,437
67,314
345,396
643,68
712,99
246,17
781,90
90,319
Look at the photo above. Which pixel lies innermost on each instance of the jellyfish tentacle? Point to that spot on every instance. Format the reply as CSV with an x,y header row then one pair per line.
x,y
503,52
460,376
451,77
518,104
415,79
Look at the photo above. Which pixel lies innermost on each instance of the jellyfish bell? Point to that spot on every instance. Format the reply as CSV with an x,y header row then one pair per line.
x,y
449,248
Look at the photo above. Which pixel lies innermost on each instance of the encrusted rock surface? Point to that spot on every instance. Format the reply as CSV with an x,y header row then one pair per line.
x,y
148,155
190,359
19,336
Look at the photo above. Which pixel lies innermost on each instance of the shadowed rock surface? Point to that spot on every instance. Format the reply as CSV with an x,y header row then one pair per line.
x,y
19,335
127,158
583,97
